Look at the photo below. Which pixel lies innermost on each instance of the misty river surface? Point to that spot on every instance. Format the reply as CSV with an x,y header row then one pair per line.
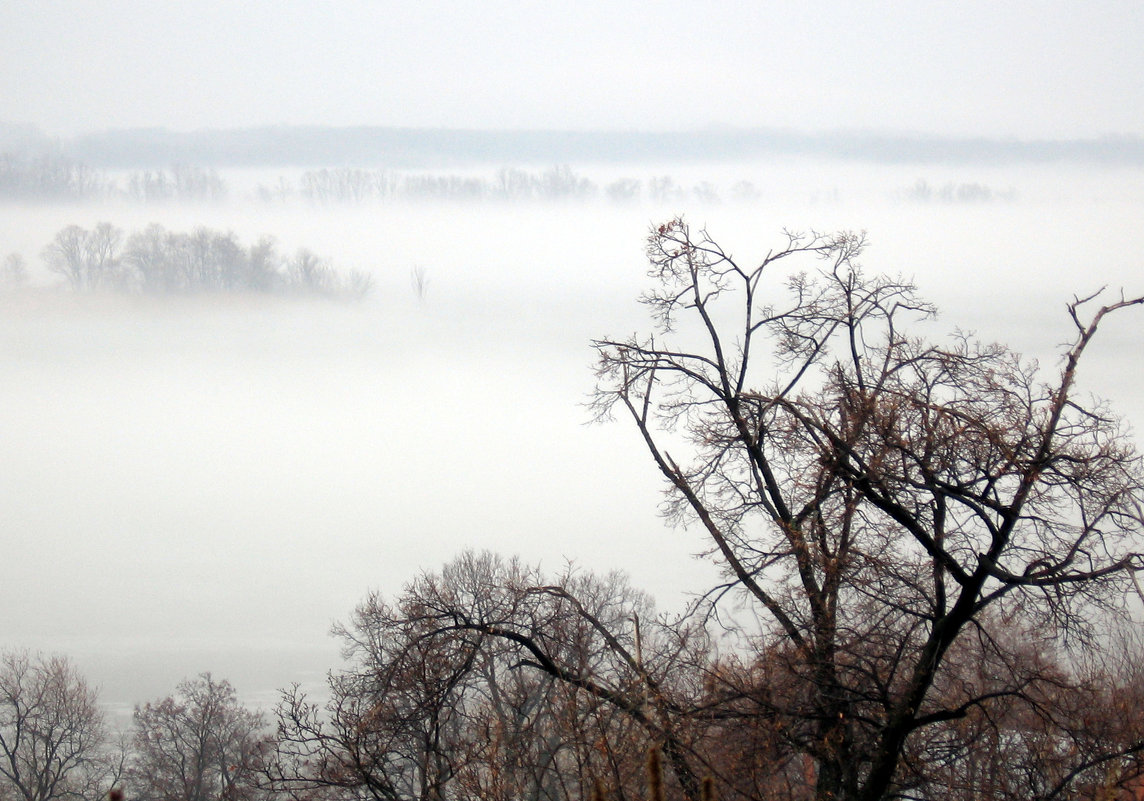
x,y
207,483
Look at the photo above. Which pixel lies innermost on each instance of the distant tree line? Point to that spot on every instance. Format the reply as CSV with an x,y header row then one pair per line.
x,y
283,145
57,177
156,261
511,184
508,184
965,193
198,744
181,182
49,177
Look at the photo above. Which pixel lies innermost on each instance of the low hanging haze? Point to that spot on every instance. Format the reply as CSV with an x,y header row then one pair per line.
x,y
1054,69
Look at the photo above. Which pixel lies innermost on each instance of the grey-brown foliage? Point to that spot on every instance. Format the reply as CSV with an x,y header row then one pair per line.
x,y
199,744
930,531
52,731
490,681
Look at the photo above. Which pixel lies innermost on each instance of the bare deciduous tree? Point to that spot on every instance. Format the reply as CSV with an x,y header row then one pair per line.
x,y
158,261
87,259
200,744
51,730
488,682
891,508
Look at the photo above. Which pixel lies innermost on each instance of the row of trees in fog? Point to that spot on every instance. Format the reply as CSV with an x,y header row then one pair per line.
x,y
356,185
157,261
49,177
59,178
492,681
928,552
198,744
56,177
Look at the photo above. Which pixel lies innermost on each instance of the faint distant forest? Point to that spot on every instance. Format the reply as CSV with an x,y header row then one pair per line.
x,y
54,177
357,164
155,261
423,148
371,165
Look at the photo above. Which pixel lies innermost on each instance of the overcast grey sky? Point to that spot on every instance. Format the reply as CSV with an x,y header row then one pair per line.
x,y
1051,69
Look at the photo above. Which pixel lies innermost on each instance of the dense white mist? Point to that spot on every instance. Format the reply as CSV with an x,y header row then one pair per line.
x,y
207,483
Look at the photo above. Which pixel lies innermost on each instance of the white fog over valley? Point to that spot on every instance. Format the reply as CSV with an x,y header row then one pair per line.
x,y
209,481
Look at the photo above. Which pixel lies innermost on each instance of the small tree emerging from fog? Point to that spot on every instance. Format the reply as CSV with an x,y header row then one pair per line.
x,y
13,272
419,280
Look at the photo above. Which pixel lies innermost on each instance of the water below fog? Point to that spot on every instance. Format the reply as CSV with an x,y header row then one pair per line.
x,y
207,484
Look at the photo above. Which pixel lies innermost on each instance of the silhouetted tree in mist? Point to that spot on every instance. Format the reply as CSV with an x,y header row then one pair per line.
x,y
156,261
490,681
52,733
894,510
88,260
199,744
13,272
